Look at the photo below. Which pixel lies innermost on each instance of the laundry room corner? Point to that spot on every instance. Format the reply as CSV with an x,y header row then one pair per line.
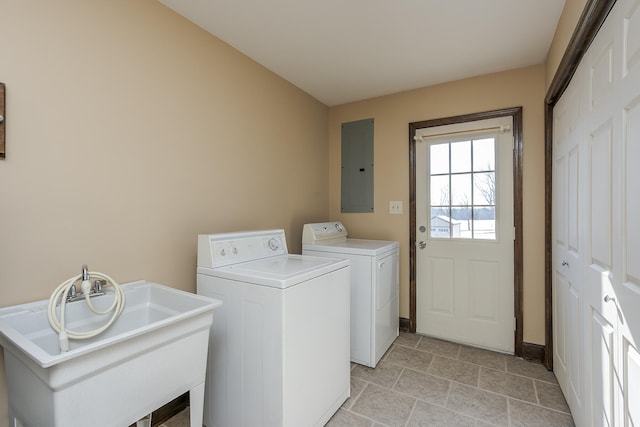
x,y
392,115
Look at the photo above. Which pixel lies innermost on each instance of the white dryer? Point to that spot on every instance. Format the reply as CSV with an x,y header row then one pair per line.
x,y
374,286
279,349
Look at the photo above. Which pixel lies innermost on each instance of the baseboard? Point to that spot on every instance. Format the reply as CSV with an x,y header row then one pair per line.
x,y
533,352
405,325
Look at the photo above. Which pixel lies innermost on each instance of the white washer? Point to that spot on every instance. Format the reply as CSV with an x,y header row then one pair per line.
x,y
279,348
374,286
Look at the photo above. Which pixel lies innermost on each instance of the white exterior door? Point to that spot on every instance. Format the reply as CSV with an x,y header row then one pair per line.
x,y
465,233
596,233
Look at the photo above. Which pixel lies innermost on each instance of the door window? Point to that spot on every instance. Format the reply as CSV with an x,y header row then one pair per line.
x,y
462,186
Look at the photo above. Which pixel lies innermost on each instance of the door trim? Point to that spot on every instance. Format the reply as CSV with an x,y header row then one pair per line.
x,y
593,16
516,114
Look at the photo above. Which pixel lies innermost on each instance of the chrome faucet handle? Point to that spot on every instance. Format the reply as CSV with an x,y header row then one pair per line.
x,y
85,272
97,286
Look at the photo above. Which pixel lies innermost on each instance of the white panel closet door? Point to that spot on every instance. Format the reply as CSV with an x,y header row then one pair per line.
x,y
602,141
627,221
596,283
569,344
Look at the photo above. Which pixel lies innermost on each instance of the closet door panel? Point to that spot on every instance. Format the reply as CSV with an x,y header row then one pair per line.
x,y
628,284
631,384
568,305
602,361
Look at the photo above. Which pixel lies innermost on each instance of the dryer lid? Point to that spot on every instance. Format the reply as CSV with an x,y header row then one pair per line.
x,y
354,246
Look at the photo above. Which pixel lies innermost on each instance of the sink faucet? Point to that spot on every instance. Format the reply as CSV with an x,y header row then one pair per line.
x,y
86,288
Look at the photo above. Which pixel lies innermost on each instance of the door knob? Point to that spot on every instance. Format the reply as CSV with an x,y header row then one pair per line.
x,y
422,244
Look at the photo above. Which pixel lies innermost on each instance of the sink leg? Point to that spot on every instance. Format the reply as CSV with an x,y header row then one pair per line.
x,y
196,405
13,420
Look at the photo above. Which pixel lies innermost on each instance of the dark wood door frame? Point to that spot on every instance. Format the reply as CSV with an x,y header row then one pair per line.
x,y
592,18
516,114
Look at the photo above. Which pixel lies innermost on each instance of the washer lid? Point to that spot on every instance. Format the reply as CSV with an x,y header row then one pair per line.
x,y
354,246
278,272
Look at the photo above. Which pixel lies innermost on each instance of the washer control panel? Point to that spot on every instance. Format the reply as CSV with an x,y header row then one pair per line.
x,y
323,231
218,250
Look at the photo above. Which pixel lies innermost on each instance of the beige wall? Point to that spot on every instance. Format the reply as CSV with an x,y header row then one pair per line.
x,y
566,25
392,115
130,131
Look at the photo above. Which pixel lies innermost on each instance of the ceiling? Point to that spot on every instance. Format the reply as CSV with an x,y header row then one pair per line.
x,y
341,51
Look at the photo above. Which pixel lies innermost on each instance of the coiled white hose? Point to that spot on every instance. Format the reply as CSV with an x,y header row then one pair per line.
x,y
60,293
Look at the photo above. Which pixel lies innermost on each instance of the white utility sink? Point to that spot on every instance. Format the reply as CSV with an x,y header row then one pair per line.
x,y
154,352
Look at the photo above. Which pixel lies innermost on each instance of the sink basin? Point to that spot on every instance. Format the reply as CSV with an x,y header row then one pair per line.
x,y
154,352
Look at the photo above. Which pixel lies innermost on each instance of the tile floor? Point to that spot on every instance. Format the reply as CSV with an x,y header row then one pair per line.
x,y
422,381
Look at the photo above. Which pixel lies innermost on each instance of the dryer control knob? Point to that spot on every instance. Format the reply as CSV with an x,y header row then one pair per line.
x,y
274,244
